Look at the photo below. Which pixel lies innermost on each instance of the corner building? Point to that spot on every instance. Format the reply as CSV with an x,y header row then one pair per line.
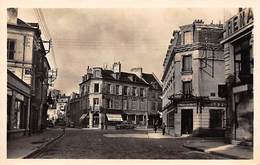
x,y
193,68
113,96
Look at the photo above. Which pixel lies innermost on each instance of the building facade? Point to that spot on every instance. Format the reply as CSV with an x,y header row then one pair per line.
x,y
28,65
239,64
193,68
111,96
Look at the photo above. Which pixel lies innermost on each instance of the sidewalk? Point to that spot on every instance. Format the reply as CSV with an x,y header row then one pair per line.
x,y
218,147
27,145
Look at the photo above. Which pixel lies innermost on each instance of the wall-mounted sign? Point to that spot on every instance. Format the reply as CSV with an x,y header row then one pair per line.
x,y
239,21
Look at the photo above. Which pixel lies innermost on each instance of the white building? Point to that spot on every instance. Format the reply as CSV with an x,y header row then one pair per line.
x,y
193,68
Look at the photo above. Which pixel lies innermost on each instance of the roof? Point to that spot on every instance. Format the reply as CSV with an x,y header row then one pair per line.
x,y
24,25
122,76
152,80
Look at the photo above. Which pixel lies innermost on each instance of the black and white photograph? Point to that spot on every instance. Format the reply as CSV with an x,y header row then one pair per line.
x,y
121,83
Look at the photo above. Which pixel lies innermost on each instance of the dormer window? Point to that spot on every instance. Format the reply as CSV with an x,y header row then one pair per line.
x,y
187,38
97,73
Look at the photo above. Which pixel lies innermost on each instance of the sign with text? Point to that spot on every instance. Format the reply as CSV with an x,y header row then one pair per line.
x,y
238,22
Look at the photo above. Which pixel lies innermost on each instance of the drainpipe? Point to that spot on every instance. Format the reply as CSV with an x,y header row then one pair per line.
x,y
24,39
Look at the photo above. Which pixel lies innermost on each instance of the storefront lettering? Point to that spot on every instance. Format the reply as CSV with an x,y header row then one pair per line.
x,y
242,19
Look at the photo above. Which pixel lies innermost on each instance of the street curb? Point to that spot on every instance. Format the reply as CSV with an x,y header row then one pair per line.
x,y
213,152
34,153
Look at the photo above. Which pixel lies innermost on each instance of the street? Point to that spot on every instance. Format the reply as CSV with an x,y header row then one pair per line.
x,y
120,144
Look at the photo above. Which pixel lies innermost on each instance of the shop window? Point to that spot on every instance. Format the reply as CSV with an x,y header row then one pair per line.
x,y
11,49
215,118
187,63
187,88
187,38
96,87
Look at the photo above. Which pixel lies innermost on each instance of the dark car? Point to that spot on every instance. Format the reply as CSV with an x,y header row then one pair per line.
x,y
71,125
60,122
50,124
125,125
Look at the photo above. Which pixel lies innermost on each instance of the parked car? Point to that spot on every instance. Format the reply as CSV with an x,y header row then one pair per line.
x,y
125,125
60,122
71,125
50,124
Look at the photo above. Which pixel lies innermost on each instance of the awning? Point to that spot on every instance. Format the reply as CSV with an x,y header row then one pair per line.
x,y
114,117
83,116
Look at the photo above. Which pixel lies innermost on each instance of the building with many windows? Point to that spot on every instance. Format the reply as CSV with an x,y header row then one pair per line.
x,y
27,82
239,64
112,96
193,68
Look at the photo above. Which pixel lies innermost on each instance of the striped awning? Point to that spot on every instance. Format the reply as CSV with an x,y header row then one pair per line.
x,y
114,117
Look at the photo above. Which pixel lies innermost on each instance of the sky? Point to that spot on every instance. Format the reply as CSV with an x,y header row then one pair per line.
x,y
99,37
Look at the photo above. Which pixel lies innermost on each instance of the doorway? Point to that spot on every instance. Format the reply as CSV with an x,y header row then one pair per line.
x,y
95,120
186,121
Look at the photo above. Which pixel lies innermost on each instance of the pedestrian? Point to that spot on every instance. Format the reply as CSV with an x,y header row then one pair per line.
x,y
155,127
163,128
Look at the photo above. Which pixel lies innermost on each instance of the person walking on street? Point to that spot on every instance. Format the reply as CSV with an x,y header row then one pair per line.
x,y
163,128
155,127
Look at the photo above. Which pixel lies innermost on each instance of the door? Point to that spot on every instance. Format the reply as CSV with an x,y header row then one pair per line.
x,y
186,121
95,120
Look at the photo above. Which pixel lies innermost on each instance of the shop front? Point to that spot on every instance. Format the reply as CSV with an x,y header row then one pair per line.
x,y
238,50
18,106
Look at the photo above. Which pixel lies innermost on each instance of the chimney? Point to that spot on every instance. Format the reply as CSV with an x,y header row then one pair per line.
x,y
89,73
138,71
12,14
240,9
117,67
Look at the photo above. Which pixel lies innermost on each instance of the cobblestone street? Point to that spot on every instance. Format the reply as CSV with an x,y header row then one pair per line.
x,y
112,144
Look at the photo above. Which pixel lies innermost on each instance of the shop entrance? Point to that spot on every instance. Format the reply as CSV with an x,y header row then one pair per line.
x,y
95,120
186,121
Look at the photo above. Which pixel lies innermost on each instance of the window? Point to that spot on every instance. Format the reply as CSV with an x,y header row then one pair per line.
x,y
125,90
117,89
188,39
96,101
187,63
124,104
187,88
109,88
97,73
215,118
134,91
134,104
96,87
117,104
142,107
243,61
11,44
109,103
142,92
153,106
170,119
